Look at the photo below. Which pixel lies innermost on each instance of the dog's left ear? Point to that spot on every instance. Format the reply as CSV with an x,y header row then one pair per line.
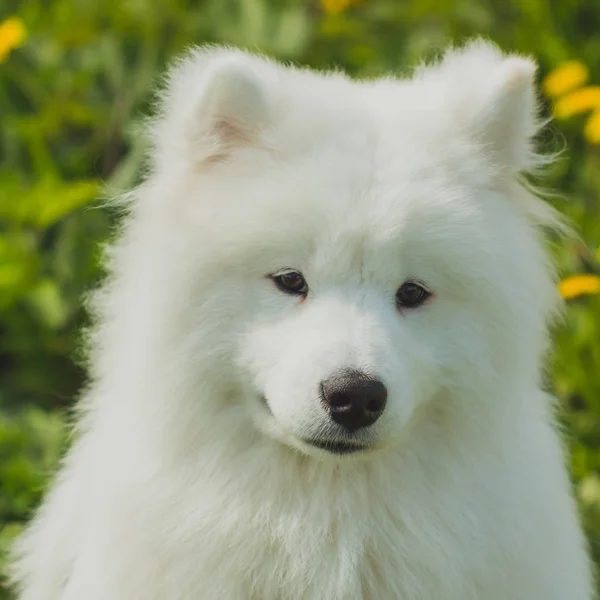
x,y
494,99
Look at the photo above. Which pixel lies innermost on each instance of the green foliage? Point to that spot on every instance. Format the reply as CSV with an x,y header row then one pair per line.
x,y
73,100
31,444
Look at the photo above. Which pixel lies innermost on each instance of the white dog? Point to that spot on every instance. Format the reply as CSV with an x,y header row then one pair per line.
x,y
316,372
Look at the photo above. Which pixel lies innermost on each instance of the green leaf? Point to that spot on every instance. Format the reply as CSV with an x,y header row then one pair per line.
x,y
48,304
46,202
63,199
18,267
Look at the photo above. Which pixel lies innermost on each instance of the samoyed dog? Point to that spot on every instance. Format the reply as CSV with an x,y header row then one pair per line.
x,y
316,367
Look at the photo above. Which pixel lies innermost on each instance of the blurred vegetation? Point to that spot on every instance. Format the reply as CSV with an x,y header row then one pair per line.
x,y
75,83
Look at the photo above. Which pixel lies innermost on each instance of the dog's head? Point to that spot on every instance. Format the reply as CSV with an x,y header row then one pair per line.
x,y
355,250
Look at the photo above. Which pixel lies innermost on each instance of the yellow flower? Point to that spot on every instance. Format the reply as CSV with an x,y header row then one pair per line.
x,y
335,7
592,128
566,77
12,35
580,101
577,285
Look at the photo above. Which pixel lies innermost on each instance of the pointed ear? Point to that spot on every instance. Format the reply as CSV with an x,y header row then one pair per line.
x,y
216,102
232,110
507,120
493,98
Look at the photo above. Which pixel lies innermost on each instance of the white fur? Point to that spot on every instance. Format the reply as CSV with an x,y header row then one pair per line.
x,y
183,484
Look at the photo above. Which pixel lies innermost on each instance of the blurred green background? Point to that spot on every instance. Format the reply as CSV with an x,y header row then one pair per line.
x,y
75,83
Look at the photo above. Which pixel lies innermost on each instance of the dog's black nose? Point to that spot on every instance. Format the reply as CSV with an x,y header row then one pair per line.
x,y
353,399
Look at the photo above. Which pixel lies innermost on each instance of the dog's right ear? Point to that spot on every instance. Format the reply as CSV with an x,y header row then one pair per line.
x,y
216,102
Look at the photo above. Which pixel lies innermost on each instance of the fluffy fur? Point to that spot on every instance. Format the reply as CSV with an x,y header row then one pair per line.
x,y
191,477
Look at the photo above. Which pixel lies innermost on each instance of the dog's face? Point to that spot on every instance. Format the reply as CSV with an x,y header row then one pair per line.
x,y
364,246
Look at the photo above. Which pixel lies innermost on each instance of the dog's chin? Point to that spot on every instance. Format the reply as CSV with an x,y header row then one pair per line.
x,y
317,446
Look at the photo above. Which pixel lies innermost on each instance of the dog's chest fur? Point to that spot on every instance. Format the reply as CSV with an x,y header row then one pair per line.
x,y
312,532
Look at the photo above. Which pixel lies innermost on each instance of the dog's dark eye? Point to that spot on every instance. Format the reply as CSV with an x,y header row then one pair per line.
x,y
411,294
291,282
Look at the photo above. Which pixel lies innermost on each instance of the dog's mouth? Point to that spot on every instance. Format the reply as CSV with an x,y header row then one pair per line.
x,y
336,447
339,447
